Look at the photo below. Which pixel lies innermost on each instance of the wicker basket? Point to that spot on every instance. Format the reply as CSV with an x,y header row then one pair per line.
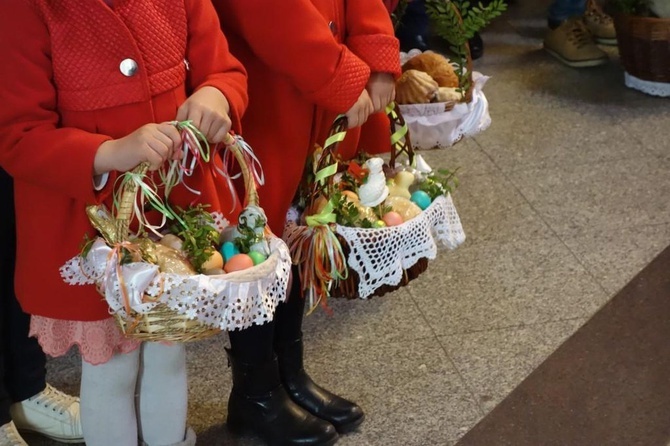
x,y
349,285
163,323
644,46
443,124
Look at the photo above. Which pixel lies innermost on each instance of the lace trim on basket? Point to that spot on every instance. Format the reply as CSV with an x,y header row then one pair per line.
x,y
431,127
380,256
661,89
229,302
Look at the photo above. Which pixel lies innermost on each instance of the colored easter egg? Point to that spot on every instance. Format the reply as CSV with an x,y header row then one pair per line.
x,y
228,249
351,196
257,257
238,262
215,261
421,199
379,224
392,219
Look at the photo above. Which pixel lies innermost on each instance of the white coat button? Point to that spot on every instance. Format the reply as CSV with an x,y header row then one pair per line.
x,y
128,67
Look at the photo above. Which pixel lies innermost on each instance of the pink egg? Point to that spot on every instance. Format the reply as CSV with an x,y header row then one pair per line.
x,y
392,219
238,262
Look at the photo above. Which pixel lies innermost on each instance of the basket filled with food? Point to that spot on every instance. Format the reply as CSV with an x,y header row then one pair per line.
x,y
367,226
442,98
193,274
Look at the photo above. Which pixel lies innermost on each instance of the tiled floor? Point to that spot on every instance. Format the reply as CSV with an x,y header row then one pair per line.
x,y
564,199
606,385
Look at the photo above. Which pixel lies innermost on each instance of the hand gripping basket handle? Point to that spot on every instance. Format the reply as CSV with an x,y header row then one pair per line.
x,y
128,193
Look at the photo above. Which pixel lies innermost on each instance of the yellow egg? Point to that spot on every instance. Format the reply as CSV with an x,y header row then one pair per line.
x,y
215,261
392,219
351,196
238,262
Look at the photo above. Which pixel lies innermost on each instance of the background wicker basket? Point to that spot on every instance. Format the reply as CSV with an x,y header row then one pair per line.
x,y
163,323
644,46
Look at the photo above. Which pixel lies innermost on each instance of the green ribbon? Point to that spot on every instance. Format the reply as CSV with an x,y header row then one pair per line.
x,y
332,139
324,217
200,138
402,131
324,173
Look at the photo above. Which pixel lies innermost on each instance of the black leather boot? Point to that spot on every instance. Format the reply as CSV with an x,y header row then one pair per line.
x,y
259,405
344,415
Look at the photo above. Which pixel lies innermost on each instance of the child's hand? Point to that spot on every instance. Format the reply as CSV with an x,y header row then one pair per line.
x,y
152,143
359,112
381,87
208,109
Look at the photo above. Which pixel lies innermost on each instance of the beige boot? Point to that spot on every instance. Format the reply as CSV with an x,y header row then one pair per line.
x,y
572,44
599,24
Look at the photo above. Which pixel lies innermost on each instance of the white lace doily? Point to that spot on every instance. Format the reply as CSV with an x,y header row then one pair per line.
x,y
230,301
661,89
380,256
432,127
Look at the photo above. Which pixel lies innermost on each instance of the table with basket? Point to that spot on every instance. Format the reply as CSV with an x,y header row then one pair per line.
x,y
364,227
150,287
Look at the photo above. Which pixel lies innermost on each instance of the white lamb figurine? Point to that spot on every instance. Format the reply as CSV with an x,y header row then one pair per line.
x,y
374,191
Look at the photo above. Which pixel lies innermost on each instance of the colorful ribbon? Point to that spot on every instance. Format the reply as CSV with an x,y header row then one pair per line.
x,y
147,194
196,152
324,217
318,252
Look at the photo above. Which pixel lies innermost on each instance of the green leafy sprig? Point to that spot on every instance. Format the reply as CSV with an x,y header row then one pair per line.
x,y
439,182
198,233
448,25
347,213
249,237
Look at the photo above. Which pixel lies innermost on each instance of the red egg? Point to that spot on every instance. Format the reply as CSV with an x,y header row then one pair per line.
x,y
392,219
238,262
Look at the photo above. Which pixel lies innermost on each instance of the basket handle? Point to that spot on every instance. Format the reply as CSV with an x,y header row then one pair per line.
x,y
128,190
250,186
400,144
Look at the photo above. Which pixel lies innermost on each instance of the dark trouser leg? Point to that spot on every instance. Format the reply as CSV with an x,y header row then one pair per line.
x,y
258,403
342,414
413,28
22,362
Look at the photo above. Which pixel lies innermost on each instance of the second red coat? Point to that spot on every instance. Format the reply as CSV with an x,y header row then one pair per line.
x,y
307,61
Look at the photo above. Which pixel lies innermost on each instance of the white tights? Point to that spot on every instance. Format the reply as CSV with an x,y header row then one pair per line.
x,y
142,394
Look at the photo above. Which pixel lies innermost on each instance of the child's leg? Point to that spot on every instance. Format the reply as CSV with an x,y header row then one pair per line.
x,y
163,394
108,401
288,341
258,402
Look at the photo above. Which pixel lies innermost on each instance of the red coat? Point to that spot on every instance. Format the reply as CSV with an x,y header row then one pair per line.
x,y
305,58
63,94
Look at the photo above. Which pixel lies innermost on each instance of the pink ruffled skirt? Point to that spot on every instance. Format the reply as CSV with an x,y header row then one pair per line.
x,y
98,341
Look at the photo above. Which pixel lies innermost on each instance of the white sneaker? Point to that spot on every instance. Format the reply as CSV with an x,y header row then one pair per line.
x,y
9,436
51,413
